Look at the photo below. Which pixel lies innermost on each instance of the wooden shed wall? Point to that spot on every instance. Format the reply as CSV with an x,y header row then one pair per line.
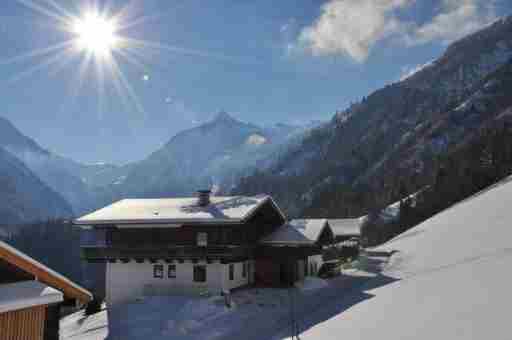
x,y
23,324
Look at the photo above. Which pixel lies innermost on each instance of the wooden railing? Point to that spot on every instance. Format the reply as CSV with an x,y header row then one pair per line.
x,y
101,253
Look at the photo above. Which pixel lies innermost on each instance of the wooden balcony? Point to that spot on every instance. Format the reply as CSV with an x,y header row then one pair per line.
x,y
106,253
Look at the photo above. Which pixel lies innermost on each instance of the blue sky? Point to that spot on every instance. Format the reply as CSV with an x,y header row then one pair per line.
x,y
262,61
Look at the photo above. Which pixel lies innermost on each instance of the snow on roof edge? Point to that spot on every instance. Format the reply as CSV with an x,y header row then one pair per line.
x,y
26,294
45,268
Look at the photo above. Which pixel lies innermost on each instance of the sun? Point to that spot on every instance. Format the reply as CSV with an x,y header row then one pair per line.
x,y
96,34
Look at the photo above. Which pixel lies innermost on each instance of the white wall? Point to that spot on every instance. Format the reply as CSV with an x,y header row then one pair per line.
x,y
315,262
126,282
238,279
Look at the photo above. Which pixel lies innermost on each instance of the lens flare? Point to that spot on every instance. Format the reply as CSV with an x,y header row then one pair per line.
x,y
96,34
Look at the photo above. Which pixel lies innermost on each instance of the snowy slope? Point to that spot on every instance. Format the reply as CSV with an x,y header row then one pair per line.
x,y
450,280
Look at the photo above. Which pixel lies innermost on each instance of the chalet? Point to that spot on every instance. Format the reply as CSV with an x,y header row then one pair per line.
x,y
191,245
31,296
347,229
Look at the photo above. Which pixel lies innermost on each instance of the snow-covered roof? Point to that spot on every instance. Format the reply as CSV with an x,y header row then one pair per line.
x,y
25,294
43,273
176,211
301,231
347,226
449,279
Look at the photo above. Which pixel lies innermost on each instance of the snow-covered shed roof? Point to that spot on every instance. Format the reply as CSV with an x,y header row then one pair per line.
x,y
25,294
300,231
177,211
43,273
347,226
449,279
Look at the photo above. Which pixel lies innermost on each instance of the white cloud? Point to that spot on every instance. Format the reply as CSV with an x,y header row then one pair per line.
x,y
352,27
456,19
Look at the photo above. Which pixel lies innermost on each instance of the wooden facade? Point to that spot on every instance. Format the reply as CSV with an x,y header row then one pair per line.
x,y
24,324
170,253
279,266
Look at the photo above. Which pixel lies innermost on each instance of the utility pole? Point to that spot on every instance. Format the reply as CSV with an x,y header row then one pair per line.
x,y
293,317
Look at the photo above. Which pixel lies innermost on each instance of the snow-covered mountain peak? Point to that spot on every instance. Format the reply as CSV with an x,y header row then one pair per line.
x,y
223,116
256,139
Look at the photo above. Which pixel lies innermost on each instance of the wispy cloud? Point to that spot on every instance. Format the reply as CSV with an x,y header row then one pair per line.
x,y
353,27
456,19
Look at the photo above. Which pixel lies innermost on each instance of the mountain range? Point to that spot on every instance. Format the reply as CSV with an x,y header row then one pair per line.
x,y
399,129
216,153
24,196
395,131
64,176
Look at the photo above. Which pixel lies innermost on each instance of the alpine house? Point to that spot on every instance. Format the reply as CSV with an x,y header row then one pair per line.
x,y
193,245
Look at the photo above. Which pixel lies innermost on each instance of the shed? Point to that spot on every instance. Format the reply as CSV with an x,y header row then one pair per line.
x,y
31,295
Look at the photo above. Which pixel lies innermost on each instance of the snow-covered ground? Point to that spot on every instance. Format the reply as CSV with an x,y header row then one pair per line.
x,y
448,279
311,283
77,326
254,311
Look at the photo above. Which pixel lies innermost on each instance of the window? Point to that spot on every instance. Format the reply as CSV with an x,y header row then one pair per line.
x,y
231,272
199,273
171,271
202,239
244,269
158,271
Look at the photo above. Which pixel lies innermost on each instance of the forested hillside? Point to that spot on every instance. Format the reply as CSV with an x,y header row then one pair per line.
x,y
397,134
53,242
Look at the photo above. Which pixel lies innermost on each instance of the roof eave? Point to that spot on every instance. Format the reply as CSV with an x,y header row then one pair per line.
x,y
289,244
156,221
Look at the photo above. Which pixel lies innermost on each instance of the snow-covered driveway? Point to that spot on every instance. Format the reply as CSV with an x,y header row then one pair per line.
x,y
258,313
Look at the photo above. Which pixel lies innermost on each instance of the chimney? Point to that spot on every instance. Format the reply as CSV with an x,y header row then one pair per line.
x,y
203,197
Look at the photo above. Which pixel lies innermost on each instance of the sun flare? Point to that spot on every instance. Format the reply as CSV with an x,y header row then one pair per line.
x,y
98,38
96,34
